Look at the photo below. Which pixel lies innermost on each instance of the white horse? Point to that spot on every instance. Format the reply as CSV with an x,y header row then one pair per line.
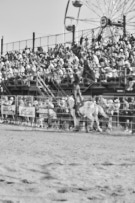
x,y
89,110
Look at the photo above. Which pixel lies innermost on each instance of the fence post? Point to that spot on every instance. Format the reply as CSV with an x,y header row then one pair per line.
x,y
2,45
124,26
33,42
6,47
40,41
13,46
56,39
73,37
19,45
48,42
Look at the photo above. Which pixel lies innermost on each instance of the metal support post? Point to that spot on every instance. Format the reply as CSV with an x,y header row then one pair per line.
x,y
124,26
73,38
2,40
33,42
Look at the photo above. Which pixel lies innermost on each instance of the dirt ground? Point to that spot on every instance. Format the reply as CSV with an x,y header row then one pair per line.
x,y
37,166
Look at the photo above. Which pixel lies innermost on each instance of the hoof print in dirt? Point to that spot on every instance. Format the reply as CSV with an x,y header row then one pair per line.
x,y
9,183
7,201
63,190
2,180
26,181
60,200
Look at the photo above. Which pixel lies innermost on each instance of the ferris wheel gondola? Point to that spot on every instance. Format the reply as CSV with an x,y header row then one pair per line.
x,y
108,18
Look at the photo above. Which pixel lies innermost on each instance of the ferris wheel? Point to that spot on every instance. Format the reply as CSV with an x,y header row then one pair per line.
x,y
105,19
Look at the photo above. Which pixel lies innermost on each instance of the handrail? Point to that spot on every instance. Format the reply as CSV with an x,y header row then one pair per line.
x,y
92,83
5,87
59,88
42,86
42,83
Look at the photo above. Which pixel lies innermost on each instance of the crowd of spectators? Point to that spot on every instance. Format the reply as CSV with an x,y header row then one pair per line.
x,y
96,62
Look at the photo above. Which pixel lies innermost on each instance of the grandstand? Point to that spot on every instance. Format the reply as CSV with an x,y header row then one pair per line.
x,y
106,69
105,56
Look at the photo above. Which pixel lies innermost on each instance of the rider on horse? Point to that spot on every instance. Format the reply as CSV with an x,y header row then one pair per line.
x,y
76,89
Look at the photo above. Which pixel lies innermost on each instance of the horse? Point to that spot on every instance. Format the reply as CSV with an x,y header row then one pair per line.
x,y
89,110
108,107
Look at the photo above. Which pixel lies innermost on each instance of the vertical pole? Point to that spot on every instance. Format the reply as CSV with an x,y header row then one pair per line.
x,y
124,26
73,37
6,47
40,41
13,46
64,36
56,39
93,38
33,42
48,42
26,44
19,45
125,76
2,40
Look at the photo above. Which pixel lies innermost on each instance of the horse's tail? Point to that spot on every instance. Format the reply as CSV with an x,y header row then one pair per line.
x,y
102,112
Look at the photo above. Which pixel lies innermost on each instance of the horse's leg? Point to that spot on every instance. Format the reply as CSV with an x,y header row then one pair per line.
x,y
110,123
127,125
76,120
92,123
76,124
97,122
91,120
88,125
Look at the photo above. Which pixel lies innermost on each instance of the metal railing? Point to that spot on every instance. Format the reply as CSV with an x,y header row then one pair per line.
x,y
37,111
45,42
54,83
49,41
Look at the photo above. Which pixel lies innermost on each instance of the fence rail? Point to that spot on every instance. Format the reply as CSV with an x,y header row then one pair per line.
x,y
50,41
38,111
45,42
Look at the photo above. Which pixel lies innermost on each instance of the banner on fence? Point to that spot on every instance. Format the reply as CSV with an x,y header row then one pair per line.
x,y
27,111
8,110
43,111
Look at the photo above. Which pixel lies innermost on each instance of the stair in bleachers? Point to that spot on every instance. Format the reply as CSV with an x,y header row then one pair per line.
x,y
5,89
43,88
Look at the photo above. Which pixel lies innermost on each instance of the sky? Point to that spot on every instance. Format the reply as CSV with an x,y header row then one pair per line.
x,y
20,18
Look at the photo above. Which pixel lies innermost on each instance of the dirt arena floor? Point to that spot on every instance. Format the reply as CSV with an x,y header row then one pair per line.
x,y
43,167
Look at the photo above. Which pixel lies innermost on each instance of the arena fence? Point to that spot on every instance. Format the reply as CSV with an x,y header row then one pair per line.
x,y
34,111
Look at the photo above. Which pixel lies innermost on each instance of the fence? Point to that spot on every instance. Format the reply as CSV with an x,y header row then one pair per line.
x,y
44,112
51,41
45,42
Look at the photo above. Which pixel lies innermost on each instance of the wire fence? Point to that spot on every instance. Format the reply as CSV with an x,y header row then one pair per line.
x,y
46,42
51,41
44,112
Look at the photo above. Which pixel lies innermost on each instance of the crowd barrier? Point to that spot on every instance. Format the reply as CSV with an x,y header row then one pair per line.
x,y
44,112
